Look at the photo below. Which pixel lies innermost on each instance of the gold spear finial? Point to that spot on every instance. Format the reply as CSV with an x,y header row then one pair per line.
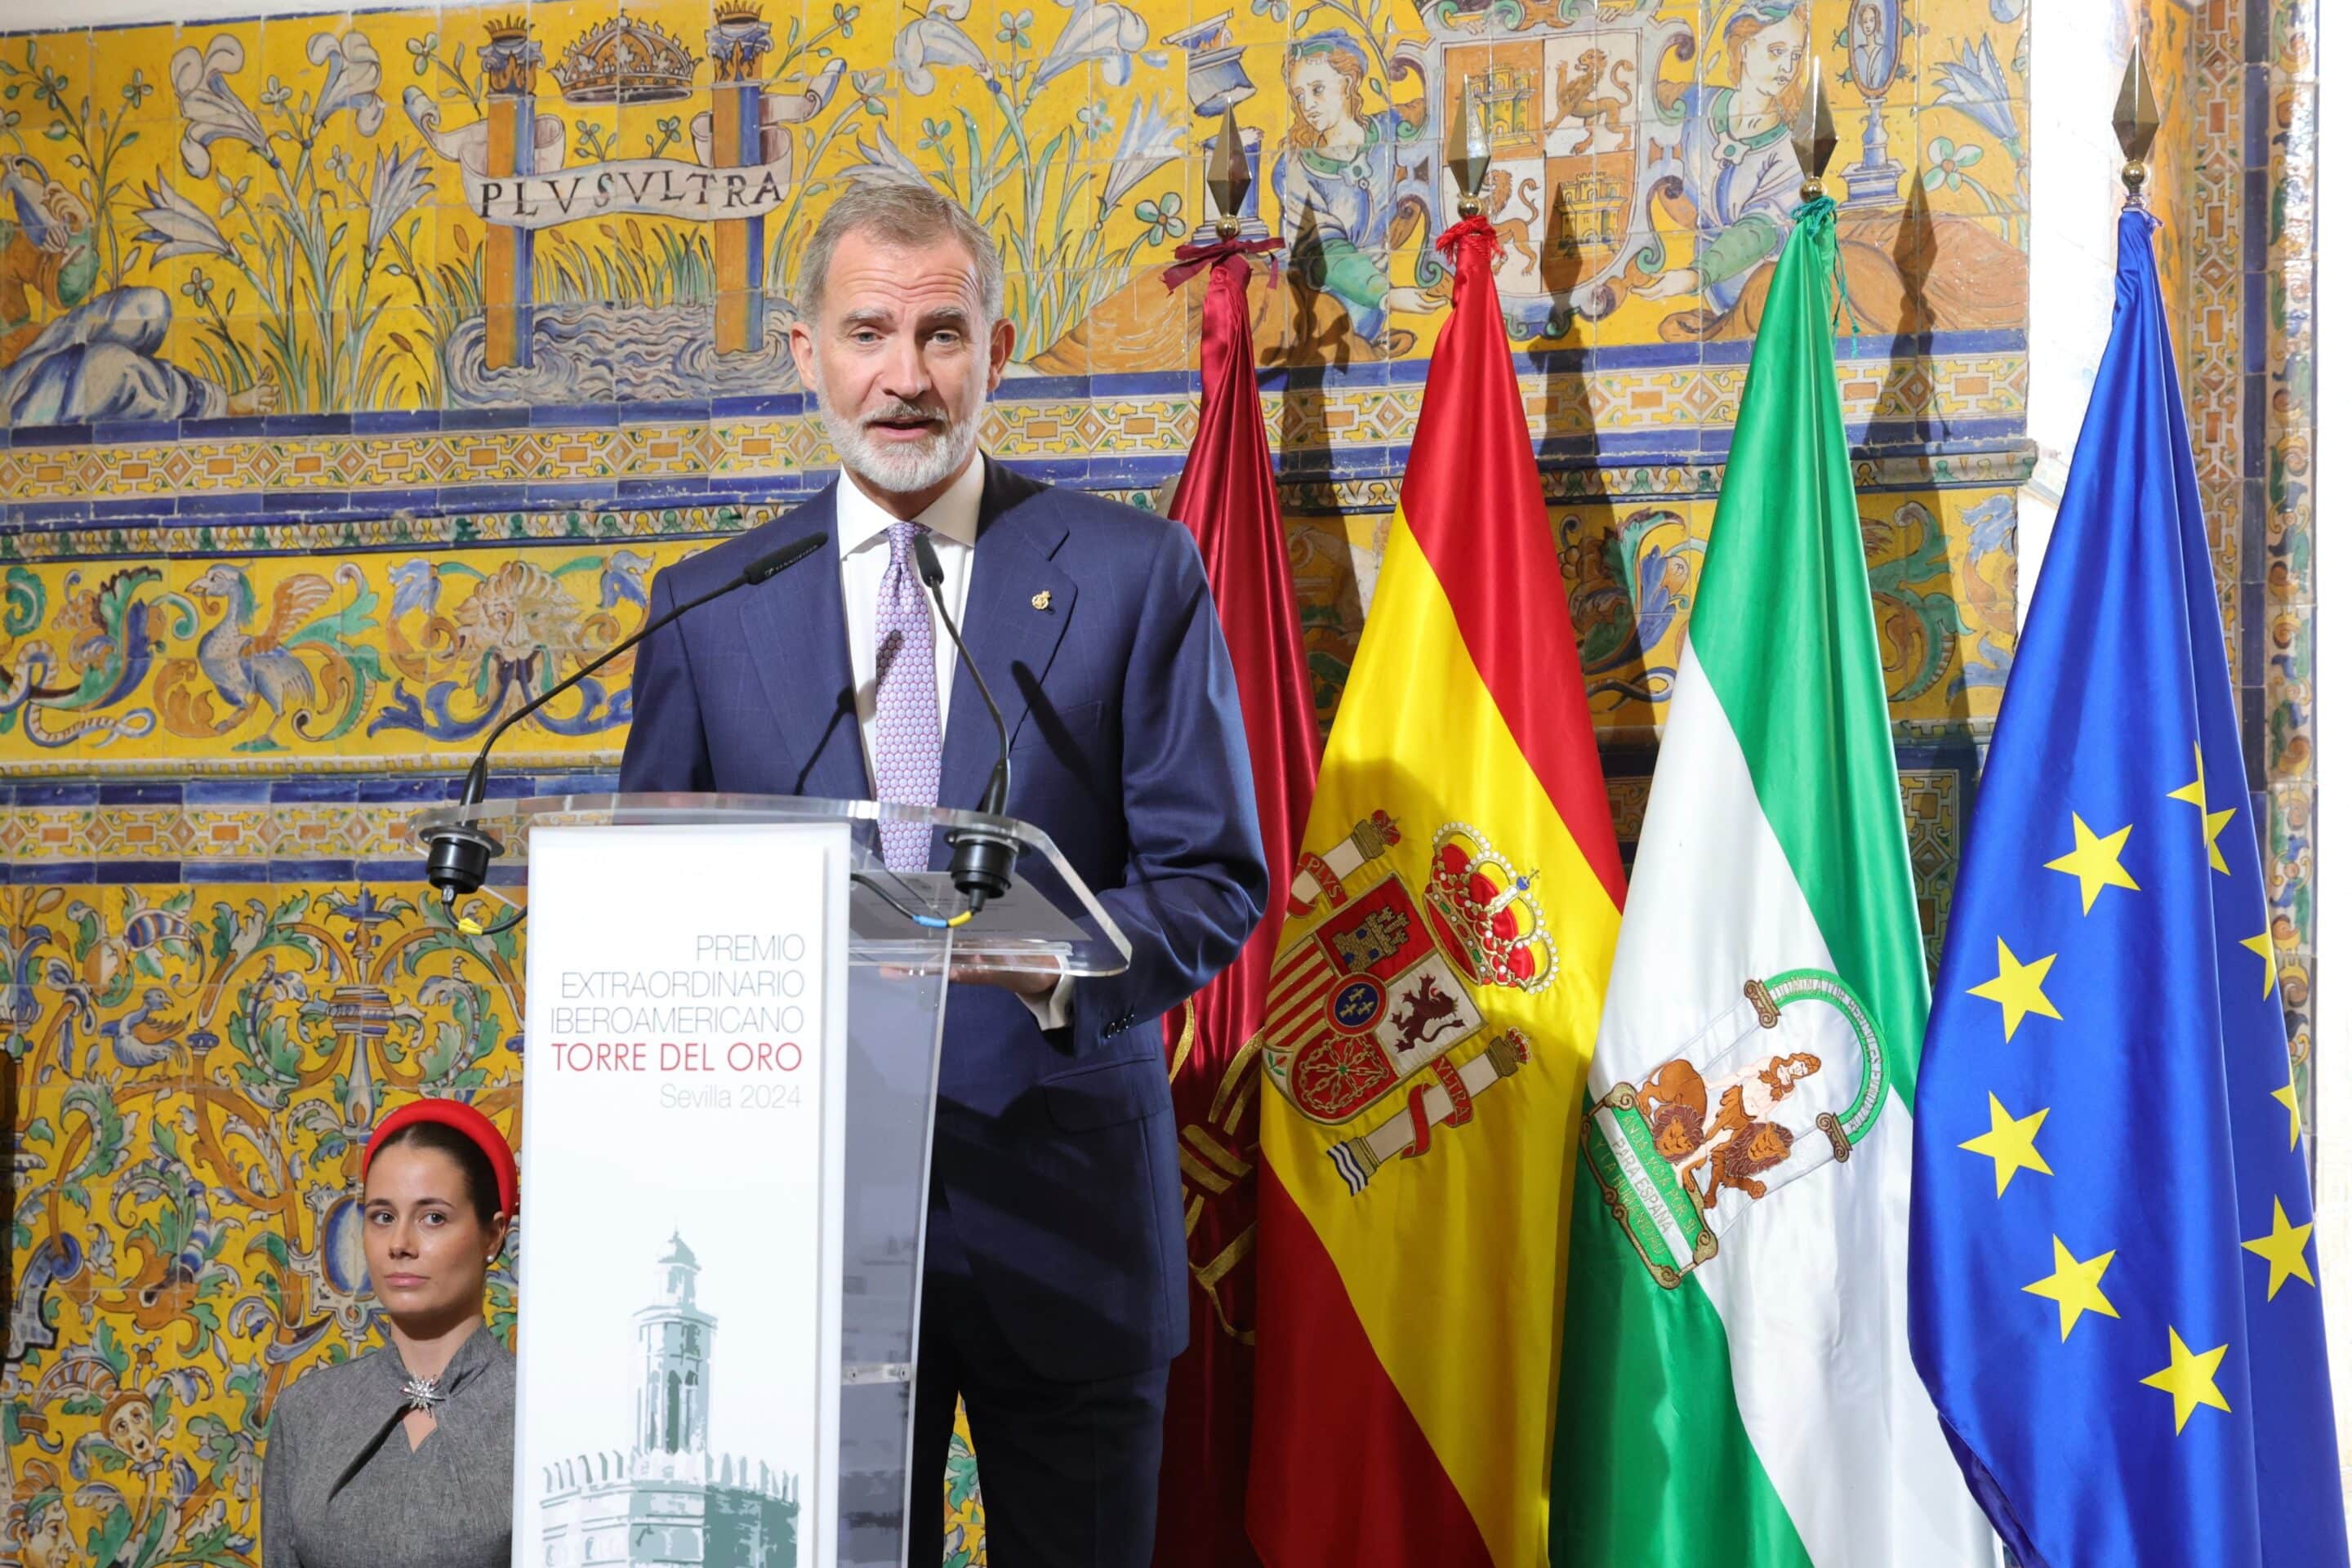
x,y
2137,123
1816,134
1229,177
1466,152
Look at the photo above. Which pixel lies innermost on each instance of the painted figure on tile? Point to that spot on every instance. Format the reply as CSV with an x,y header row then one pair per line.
x,y
48,251
125,1467
1342,186
99,356
1872,40
37,1527
1582,96
1739,161
73,679
102,361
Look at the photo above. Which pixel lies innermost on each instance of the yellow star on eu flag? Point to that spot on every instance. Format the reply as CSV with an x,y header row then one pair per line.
x,y
2262,947
2193,793
2097,861
2190,1381
2293,1103
2075,1286
2283,1250
2018,989
2010,1144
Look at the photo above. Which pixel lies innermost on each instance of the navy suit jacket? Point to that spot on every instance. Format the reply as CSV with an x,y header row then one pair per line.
x,y
1055,1152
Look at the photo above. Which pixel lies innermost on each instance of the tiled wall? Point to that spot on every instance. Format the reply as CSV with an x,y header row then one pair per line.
x,y
2249,351
304,487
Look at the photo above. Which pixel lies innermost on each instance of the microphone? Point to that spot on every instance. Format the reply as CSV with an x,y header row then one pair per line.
x,y
980,862
458,856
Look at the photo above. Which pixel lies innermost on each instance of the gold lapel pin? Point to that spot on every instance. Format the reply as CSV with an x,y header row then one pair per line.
x,y
1042,599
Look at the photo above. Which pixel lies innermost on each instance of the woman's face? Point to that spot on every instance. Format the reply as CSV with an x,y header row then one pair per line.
x,y
1769,61
427,1251
1320,92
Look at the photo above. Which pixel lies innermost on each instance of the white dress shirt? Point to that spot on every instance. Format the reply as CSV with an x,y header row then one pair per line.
x,y
864,534
863,531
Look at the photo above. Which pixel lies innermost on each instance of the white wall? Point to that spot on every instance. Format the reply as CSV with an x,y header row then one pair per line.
x,y
2077,191
37,16
2332,884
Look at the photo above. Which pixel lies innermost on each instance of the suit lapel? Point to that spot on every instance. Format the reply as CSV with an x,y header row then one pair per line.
x,y
1011,637
799,615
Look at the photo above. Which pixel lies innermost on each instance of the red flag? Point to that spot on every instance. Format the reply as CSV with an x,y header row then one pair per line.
x,y
1226,498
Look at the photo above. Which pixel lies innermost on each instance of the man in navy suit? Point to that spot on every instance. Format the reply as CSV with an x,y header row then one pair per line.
x,y
1055,1275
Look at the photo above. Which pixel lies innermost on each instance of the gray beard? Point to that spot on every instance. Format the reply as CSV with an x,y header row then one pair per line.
x,y
898,469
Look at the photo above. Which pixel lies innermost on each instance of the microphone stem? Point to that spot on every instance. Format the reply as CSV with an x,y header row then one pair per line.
x,y
459,851
478,777
1000,777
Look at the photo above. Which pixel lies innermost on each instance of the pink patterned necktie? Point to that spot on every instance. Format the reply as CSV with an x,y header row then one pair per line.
x,y
906,704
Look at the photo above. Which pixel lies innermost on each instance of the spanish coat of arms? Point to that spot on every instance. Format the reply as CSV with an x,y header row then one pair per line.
x,y
1385,985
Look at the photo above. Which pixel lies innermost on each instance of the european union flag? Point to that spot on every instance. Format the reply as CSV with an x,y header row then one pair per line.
x,y
2113,1301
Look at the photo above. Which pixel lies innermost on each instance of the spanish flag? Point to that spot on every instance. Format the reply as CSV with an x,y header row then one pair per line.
x,y
1431,1017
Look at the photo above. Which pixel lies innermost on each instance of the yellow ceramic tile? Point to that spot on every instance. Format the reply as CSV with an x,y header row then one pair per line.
x,y
687,20
403,363
664,126
54,63
297,56
131,78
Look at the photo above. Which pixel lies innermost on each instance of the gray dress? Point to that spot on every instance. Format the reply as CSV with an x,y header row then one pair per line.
x,y
342,1488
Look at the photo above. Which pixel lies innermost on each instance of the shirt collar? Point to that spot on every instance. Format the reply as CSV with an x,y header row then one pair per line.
x,y
954,516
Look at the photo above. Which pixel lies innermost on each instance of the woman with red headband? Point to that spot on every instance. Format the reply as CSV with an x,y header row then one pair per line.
x,y
405,1455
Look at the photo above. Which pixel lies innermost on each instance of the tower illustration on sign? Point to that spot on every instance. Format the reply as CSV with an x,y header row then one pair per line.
x,y
667,1498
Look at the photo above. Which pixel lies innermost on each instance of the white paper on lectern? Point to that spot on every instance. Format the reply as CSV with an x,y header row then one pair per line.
x,y
679,1291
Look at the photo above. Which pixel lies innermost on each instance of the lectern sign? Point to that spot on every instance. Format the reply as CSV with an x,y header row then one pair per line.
x,y
680,1328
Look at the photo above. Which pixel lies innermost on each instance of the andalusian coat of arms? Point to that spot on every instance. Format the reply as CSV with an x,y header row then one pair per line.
x,y
1785,1080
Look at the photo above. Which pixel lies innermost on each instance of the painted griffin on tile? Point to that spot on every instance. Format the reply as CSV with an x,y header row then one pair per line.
x,y
108,648
304,660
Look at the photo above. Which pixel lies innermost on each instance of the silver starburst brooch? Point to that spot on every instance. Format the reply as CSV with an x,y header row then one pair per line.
x,y
423,1394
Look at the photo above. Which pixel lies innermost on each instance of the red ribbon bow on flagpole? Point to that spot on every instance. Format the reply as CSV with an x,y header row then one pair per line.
x,y
1476,224
1192,259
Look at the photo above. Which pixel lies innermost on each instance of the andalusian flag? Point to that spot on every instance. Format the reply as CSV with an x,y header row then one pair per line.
x,y
1430,1017
1736,1384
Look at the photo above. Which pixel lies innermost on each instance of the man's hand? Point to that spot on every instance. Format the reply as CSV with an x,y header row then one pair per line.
x,y
1031,975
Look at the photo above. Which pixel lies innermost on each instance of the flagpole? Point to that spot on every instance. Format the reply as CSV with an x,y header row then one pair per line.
x,y
1226,498
1229,177
1816,135
2137,123
1467,155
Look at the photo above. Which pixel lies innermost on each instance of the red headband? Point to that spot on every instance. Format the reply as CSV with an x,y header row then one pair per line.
x,y
459,1118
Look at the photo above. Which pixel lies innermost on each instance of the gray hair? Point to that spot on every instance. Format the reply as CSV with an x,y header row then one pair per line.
x,y
897,211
